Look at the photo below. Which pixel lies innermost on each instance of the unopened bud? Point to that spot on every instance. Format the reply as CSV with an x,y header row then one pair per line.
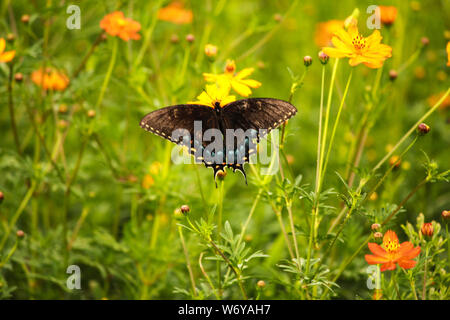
x,y
185,209
378,235
427,229
425,41
20,234
221,175
323,57
2,196
10,37
277,17
91,113
25,18
445,214
261,284
62,108
211,50
395,161
393,75
375,226
18,77
174,38
423,128
307,61
190,38
62,124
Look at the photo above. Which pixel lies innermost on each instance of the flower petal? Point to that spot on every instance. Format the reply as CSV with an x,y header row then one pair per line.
x,y
377,250
334,53
251,83
7,56
406,264
244,73
2,45
241,89
388,266
371,259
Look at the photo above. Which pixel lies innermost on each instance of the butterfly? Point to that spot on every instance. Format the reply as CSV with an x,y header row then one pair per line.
x,y
236,127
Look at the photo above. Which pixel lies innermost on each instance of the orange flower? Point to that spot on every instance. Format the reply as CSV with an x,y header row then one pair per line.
x,y
50,79
391,253
325,31
351,44
448,54
5,56
388,14
175,13
432,100
115,24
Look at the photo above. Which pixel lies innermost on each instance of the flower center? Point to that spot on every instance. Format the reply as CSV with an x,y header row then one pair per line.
x,y
391,246
359,42
121,22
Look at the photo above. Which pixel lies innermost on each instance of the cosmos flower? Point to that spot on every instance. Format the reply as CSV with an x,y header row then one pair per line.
x,y
351,44
50,79
432,100
388,14
5,56
116,25
215,93
325,31
235,80
391,253
175,13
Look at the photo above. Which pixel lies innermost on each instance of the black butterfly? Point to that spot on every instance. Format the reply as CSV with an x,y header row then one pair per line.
x,y
255,117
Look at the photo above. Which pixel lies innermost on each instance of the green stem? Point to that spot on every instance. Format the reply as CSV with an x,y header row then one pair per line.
x,y
11,109
108,73
188,263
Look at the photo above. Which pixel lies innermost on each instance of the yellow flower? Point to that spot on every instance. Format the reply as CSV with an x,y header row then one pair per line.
x,y
147,182
235,80
351,44
448,54
217,93
388,14
5,56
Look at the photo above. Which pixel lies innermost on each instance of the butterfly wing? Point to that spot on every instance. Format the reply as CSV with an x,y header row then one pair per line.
x,y
255,114
164,122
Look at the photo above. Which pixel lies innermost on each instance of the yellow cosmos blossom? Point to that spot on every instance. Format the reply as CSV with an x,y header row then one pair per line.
x,y
5,56
235,80
325,31
351,44
214,94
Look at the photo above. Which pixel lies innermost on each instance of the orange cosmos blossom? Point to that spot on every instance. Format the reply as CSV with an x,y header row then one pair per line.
x,y
388,14
175,13
5,56
391,253
115,24
50,79
351,44
325,31
235,80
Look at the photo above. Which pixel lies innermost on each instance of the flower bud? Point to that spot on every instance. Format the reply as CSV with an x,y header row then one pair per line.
x,y
378,294
62,108
323,57
378,235
190,38
2,196
261,284
211,50
104,36
91,113
307,61
395,161
277,17
427,229
10,37
25,18
445,213
425,41
20,234
423,129
221,175
185,209
174,38
375,226
177,213
373,196
18,77
393,75
62,124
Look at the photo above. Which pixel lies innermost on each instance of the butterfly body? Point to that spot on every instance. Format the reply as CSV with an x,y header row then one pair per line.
x,y
235,127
